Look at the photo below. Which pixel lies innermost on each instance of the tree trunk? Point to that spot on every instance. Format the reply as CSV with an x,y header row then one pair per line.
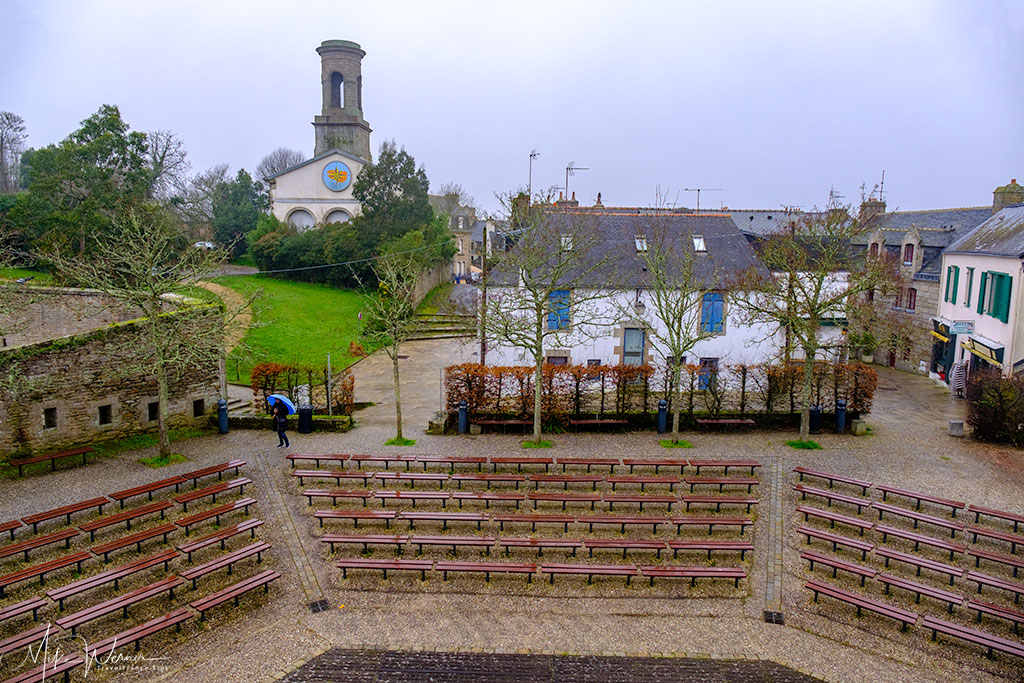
x,y
398,397
805,394
162,397
538,380
677,397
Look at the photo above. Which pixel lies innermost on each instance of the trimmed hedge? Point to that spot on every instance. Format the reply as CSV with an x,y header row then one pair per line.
x,y
321,423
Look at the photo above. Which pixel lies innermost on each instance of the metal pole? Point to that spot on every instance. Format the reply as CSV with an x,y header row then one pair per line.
x,y
483,299
329,401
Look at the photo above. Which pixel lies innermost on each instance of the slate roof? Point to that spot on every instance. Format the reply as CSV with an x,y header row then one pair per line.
x,y
318,157
1001,235
762,222
728,251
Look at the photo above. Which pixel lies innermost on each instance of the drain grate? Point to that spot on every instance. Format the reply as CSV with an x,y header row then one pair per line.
x,y
319,606
774,617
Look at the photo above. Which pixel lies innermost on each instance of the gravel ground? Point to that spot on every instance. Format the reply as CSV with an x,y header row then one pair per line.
x,y
269,635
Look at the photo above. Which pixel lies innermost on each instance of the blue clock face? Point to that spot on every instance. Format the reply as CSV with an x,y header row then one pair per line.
x,y
337,176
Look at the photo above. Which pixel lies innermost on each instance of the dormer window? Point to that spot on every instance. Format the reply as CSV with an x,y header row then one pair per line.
x,y
873,250
698,243
641,244
908,254
566,242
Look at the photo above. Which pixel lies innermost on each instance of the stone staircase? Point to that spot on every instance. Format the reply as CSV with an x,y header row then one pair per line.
x,y
444,326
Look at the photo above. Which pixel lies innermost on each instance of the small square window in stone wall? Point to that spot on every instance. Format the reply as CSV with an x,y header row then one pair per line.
x,y
50,418
106,414
153,409
198,407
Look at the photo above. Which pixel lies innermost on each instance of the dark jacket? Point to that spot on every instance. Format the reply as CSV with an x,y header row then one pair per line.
x,y
280,422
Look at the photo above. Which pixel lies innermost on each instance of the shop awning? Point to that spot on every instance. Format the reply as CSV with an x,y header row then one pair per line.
x,y
983,352
938,336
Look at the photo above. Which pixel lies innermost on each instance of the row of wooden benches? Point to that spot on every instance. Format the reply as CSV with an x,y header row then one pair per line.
x,y
547,461
649,572
488,497
442,478
97,652
918,498
120,496
79,557
908,618
564,520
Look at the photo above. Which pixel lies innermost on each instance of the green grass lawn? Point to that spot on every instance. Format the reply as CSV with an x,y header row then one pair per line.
x,y
38,277
295,323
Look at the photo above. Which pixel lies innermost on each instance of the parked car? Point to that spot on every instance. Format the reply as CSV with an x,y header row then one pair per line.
x,y
205,246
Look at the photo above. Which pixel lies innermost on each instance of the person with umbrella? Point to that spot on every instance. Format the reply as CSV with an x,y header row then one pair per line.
x,y
280,413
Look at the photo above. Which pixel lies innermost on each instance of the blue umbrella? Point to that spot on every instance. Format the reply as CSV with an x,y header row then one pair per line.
x,y
285,400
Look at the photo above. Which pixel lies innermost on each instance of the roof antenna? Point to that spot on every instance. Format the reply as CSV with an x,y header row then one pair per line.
x,y
881,188
698,191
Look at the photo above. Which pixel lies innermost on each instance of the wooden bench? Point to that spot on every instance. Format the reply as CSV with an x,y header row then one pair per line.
x,y
918,517
724,422
38,542
485,542
335,494
503,424
198,494
564,498
330,457
520,460
127,516
919,589
136,539
51,457
534,519
920,563
488,496
62,664
642,499
412,477
509,542
862,602
805,491
120,603
656,463
356,515
566,479
986,640
11,527
725,546
148,489
722,482
999,514
233,592
488,568
607,422
919,539
693,573
622,521
627,570
31,605
215,513
994,582
65,511
386,459
23,639
954,505
365,540
137,633
623,544
62,593
220,536
710,523
421,566
725,464
718,501
193,574
836,540
412,517
1009,560
643,480
863,485
837,564
834,517
42,569
452,461
384,496
195,475
976,531
1011,615
336,475
610,463
517,479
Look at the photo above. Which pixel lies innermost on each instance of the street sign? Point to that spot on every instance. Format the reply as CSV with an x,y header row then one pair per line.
x,y
962,327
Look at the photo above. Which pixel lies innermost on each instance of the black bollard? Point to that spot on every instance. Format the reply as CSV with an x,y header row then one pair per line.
x,y
222,416
463,417
840,417
662,416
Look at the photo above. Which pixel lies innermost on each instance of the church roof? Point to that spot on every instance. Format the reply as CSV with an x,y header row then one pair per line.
x,y
318,157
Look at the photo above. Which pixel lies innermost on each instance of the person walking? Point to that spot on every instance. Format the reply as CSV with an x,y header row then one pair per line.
x,y
280,412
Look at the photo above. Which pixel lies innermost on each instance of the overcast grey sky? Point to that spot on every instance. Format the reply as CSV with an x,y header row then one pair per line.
x,y
775,102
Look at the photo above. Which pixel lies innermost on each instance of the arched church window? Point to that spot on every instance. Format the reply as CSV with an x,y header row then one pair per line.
x,y
337,90
301,219
338,216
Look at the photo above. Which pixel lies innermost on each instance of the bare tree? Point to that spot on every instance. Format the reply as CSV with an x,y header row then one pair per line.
x,y
281,159
814,274
551,287
389,318
168,164
12,145
453,196
194,202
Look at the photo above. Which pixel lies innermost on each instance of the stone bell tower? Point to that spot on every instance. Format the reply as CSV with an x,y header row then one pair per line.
x,y
341,125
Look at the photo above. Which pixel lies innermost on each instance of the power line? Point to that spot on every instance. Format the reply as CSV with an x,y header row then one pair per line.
x,y
340,263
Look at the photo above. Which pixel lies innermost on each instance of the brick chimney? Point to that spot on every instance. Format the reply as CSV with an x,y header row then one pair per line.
x,y
869,209
1007,195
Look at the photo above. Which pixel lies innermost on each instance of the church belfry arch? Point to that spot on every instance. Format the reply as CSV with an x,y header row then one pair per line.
x,y
337,91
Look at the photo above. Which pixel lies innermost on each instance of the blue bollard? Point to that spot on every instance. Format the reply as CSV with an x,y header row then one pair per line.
x,y
840,417
662,416
222,416
815,420
463,417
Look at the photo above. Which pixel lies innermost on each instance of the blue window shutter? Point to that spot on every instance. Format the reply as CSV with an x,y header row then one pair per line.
x,y
712,312
717,312
558,313
981,292
1004,297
